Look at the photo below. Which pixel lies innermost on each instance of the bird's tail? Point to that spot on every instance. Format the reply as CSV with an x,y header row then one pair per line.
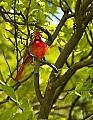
x,y
18,76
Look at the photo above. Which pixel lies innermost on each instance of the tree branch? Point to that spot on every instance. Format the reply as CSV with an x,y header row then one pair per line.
x,y
51,65
15,35
88,18
61,80
72,42
67,6
2,10
5,100
36,82
7,64
27,21
77,7
68,49
87,116
84,6
59,26
72,106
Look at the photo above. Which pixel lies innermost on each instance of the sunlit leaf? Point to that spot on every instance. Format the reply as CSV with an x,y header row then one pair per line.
x,y
79,86
9,91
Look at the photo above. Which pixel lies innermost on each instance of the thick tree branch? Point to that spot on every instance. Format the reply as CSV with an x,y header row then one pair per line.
x,y
64,78
68,49
84,6
73,41
59,26
77,7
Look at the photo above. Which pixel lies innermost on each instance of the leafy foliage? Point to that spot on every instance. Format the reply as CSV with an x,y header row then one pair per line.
x,y
65,76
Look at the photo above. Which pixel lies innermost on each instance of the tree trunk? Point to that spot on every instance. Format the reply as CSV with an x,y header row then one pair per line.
x,y
46,105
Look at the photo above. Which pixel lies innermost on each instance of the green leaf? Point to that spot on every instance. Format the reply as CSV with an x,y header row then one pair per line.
x,y
54,55
7,114
42,16
27,114
69,97
23,116
9,91
79,86
24,103
53,9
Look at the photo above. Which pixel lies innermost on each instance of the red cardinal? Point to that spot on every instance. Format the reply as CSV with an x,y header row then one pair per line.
x,y
37,48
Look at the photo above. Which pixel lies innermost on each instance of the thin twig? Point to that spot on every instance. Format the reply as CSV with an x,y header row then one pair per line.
x,y
5,100
72,106
27,21
51,65
68,6
7,64
88,116
17,36
88,39
15,25
72,62
11,13
61,5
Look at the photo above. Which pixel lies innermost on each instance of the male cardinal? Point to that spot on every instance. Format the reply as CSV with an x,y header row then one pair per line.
x,y
37,48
